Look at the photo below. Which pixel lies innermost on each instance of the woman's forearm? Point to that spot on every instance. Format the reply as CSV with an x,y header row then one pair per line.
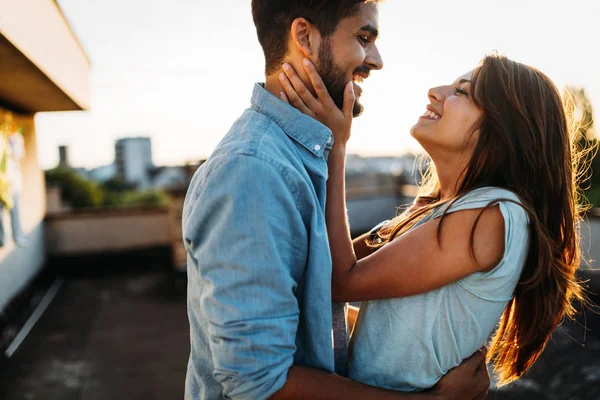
x,y
338,229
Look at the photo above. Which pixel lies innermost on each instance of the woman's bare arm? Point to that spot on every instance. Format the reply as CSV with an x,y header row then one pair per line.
x,y
361,250
413,263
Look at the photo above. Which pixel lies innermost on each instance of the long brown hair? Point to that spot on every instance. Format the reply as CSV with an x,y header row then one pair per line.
x,y
525,145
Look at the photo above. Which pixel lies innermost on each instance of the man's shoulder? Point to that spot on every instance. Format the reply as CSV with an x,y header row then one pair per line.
x,y
253,140
242,175
256,136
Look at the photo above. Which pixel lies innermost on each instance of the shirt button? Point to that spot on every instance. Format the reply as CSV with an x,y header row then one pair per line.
x,y
329,140
317,147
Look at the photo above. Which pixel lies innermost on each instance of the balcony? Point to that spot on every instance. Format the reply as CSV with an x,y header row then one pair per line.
x,y
43,66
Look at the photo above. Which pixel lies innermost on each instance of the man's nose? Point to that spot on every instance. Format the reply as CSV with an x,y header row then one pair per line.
x,y
374,60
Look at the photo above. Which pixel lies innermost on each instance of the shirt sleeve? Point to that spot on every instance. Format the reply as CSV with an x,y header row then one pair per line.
x,y
246,236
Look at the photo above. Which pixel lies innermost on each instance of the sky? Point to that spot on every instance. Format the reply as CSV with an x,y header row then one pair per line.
x,y
182,71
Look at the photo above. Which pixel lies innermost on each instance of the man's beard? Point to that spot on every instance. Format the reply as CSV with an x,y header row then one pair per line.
x,y
334,78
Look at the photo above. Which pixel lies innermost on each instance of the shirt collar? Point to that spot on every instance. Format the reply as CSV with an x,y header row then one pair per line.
x,y
309,132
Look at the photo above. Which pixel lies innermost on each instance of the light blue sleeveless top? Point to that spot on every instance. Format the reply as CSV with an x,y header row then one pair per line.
x,y
409,343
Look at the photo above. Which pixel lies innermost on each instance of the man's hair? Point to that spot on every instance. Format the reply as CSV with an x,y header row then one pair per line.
x,y
273,19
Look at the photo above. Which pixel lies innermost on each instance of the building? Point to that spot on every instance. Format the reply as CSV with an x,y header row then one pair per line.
x,y
63,157
42,68
103,173
133,158
168,178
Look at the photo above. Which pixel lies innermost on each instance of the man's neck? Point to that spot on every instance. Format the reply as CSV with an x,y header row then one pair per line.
x,y
273,86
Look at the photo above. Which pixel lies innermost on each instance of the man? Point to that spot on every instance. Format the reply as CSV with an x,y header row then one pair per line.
x,y
259,265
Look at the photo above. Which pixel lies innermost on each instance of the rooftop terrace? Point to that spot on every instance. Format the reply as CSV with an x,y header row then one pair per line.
x,y
123,334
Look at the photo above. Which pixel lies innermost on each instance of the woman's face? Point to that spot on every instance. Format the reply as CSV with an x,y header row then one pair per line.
x,y
446,127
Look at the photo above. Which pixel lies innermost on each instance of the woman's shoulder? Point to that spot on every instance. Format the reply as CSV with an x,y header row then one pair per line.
x,y
490,194
498,283
484,197
508,202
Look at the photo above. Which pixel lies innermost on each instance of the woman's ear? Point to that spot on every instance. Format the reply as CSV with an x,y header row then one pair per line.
x,y
305,37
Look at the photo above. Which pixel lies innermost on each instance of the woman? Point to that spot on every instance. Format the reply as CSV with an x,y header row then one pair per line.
x,y
492,237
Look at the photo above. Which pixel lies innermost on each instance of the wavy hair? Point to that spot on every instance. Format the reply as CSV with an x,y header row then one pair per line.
x,y
526,145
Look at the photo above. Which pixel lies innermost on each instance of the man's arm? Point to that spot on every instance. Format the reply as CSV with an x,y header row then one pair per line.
x,y
469,381
305,383
243,231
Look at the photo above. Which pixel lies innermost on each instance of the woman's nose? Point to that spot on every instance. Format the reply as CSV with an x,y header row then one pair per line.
x,y
436,94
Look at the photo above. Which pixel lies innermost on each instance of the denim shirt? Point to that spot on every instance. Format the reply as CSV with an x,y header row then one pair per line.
x,y
259,264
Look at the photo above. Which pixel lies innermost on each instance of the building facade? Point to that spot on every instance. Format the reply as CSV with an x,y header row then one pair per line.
x,y
133,158
43,67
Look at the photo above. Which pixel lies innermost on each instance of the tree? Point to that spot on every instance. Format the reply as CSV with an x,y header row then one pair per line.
x,y
83,193
117,185
75,190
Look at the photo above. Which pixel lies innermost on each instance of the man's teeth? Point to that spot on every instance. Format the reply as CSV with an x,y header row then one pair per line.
x,y
358,79
431,114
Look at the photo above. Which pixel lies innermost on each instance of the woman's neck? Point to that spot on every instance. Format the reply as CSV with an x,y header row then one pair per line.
x,y
450,176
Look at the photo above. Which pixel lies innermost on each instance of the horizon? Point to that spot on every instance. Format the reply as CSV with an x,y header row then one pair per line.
x,y
202,159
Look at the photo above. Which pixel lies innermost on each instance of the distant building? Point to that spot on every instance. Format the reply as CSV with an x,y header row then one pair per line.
x,y
401,165
169,178
174,177
63,157
133,159
395,165
103,173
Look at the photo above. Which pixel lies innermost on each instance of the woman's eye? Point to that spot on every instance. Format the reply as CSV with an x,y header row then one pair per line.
x,y
460,91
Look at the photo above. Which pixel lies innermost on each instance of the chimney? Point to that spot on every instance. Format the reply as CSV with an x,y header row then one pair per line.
x,y
63,154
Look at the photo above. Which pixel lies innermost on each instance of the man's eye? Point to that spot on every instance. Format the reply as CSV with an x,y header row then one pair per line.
x,y
363,39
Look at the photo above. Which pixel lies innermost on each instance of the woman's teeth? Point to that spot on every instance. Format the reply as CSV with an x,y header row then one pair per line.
x,y
431,114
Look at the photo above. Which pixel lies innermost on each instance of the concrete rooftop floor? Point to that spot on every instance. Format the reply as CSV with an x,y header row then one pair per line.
x,y
104,338
125,336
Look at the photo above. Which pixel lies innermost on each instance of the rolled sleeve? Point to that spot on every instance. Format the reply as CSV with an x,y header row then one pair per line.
x,y
245,235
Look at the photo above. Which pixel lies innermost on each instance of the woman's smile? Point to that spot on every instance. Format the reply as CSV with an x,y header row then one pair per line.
x,y
431,113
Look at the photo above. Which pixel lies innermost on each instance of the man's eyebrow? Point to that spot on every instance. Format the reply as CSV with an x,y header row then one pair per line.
x,y
371,29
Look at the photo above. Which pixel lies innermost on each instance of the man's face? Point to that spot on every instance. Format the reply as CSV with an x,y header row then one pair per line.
x,y
350,53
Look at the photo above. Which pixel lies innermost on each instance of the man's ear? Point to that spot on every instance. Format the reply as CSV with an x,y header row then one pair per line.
x,y
305,37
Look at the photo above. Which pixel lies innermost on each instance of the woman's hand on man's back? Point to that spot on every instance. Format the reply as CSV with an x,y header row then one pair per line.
x,y
469,381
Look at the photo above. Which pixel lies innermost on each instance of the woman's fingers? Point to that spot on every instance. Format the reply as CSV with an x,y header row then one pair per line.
x,y
284,97
292,96
305,94
323,109
317,82
349,100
